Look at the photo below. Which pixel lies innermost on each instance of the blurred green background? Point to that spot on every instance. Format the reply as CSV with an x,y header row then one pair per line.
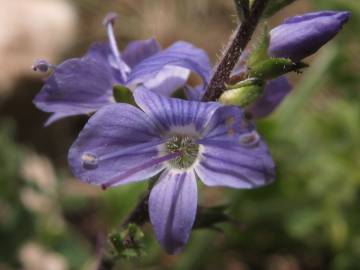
x,y
308,219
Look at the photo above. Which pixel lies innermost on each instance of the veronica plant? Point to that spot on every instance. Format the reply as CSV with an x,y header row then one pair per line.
x,y
175,141
183,140
84,85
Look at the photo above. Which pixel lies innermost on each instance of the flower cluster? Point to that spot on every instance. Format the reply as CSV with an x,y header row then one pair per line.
x,y
177,140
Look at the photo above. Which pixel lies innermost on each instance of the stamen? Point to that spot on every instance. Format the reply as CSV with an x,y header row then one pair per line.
x,y
42,66
249,139
141,167
188,148
109,21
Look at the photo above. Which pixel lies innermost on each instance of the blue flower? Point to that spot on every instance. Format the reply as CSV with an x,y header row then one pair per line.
x,y
183,140
301,36
84,85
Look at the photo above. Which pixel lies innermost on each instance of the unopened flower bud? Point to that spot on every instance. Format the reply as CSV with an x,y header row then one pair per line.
x,y
242,96
301,36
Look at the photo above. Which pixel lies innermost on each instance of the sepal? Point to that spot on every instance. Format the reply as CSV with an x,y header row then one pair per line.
x,y
123,94
272,68
244,93
260,53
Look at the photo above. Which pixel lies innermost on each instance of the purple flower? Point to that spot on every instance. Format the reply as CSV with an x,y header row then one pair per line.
x,y
183,140
301,36
84,85
274,93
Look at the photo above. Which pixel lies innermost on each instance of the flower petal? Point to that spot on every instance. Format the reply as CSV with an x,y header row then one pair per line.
x,y
168,80
233,155
181,54
172,209
227,123
99,52
77,86
118,142
235,166
275,91
195,93
173,112
138,50
102,52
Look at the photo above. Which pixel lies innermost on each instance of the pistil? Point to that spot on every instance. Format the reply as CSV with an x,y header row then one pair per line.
x,y
122,66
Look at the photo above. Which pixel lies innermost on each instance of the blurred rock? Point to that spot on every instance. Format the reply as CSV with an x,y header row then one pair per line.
x,y
39,170
32,29
40,196
35,257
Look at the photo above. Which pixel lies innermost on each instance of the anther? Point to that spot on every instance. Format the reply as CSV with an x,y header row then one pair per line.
x,y
188,149
42,66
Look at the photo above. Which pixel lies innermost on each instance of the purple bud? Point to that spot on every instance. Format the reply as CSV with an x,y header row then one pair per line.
x,y
301,36
41,65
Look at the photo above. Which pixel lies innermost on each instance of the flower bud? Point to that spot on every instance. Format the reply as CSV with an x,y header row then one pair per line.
x,y
301,36
243,95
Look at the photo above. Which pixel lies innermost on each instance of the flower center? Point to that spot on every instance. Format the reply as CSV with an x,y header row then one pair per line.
x,y
188,148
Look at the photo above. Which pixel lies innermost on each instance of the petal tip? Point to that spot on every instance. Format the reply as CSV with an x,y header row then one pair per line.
x,y
343,16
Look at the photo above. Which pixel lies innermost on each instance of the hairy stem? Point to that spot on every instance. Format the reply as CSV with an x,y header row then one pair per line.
x,y
139,215
234,51
242,8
